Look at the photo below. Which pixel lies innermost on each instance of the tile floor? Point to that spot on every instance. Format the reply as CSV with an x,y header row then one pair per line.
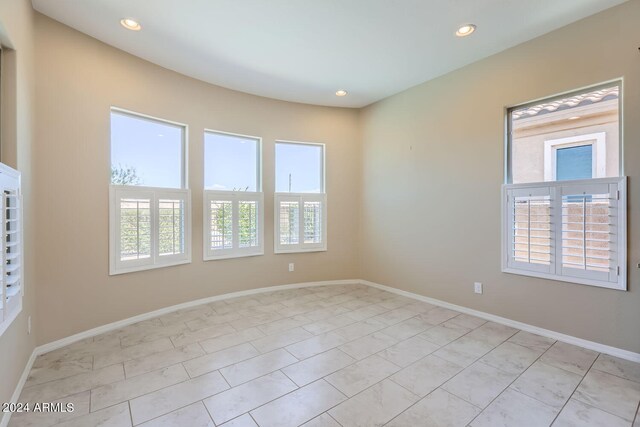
x,y
329,356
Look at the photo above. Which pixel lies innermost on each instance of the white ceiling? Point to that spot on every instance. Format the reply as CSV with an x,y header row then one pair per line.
x,y
303,50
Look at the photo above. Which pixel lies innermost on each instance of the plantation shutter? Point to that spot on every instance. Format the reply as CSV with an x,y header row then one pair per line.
x,y
300,222
11,289
573,231
233,224
151,227
590,232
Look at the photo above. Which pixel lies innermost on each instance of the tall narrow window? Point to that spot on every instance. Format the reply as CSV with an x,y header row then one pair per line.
x,y
300,199
150,205
11,289
565,200
233,199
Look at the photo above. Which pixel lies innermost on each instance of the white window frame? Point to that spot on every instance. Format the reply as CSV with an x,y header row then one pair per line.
x,y
11,307
598,143
301,198
616,279
154,194
235,197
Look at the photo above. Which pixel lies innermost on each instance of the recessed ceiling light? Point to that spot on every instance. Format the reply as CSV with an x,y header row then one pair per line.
x,y
341,92
465,30
574,118
131,24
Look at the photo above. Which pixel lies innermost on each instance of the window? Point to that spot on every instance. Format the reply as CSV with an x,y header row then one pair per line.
x,y
149,204
11,289
233,199
565,207
300,200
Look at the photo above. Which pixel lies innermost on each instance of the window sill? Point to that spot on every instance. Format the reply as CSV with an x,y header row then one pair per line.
x,y
231,256
576,280
115,272
298,250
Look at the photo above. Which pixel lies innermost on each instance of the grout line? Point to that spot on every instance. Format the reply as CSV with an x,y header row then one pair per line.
x,y
576,388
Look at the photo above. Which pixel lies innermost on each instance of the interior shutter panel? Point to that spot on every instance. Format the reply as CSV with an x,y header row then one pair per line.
x,y
530,234
591,237
11,289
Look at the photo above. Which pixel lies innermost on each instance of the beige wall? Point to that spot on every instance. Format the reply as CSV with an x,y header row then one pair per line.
x,y
431,150
78,80
16,30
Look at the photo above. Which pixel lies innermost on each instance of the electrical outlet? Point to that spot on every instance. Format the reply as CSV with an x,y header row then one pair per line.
x,y
292,266
29,325
477,287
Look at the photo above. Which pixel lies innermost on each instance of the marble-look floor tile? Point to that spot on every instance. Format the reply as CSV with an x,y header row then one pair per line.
x,y
444,334
438,409
284,324
361,375
511,358
299,406
426,375
366,346
569,357
242,421
242,399
189,337
161,402
329,324
134,352
195,415
375,406
115,416
610,393
72,385
464,351
408,351
122,391
231,340
547,384
578,414
327,312
241,372
395,316
366,312
479,384
318,366
492,333
512,409
618,367
152,334
162,359
58,370
465,321
212,319
316,345
419,307
359,329
438,315
281,339
532,341
220,359
407,328
182,316
322,420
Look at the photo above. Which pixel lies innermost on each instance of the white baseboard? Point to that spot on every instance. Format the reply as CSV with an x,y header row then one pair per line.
x,y
591,345
54,345
4,422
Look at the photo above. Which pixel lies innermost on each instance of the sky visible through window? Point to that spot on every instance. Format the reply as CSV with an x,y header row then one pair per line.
x,y
230,162
299,168
152,150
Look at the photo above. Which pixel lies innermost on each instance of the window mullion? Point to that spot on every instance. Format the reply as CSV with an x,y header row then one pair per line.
x,y
235,221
